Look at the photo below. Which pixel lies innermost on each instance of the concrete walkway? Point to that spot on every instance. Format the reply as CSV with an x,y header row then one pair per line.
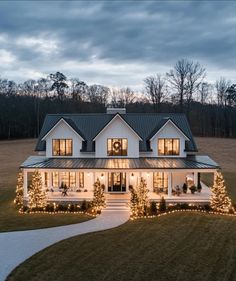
x,y
16,247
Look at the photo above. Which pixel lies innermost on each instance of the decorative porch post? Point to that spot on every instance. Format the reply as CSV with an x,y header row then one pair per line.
x,y
25,174
169,184
195,178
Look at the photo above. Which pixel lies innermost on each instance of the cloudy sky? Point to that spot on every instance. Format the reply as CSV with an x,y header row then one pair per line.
x,y
115,43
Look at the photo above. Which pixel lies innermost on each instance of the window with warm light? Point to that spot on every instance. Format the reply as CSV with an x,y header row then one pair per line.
x,y
46,179
55,179
160,182
81,179
117,147
62,147
68,179
168,146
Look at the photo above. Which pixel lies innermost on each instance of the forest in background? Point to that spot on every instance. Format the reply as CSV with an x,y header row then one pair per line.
x,y
210,107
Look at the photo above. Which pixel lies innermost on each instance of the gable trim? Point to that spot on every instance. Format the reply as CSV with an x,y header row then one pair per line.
x,y
162,127
57,123
112,120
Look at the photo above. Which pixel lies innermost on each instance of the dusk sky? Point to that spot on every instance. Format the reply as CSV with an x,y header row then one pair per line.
x,y
115,43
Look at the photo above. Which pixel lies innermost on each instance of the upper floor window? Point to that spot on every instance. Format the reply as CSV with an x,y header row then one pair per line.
x,y
168,146
62,147
117,147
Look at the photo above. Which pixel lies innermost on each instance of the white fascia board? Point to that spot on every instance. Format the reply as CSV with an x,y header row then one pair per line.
x,y
112,120
174,126
57,124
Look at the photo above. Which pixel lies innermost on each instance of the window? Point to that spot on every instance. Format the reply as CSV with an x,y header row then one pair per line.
x,y
168,146
46,179
81,179
62,147
117,147
68,179
55,179
160,182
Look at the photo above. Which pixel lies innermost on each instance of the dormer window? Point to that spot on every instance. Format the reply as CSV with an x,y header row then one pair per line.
x,y
62,147
117,147
168,146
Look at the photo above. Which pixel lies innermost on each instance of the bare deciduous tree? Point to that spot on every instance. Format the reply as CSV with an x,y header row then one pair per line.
x,y
204,90
78,89
196,74
98,94
221,86
155,90
185,79
121,97
177,78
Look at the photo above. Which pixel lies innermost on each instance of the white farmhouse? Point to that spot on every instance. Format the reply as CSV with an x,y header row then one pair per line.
x,y
119,149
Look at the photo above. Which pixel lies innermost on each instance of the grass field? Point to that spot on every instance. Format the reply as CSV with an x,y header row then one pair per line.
x,y
223,151
178,247
12,154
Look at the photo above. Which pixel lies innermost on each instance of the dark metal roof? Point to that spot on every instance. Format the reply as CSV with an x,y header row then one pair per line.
x,y
190,162
145,124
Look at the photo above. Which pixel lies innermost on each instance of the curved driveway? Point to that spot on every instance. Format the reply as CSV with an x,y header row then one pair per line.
x,y
16,247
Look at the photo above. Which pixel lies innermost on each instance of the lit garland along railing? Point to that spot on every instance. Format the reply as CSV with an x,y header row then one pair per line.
x,y
186,210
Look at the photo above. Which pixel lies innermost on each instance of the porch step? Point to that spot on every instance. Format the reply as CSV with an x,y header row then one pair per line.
x,y
116,205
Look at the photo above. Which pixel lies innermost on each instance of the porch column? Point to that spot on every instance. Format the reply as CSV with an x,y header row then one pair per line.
x,y
106,175
25,175
169,184
49,180
195,178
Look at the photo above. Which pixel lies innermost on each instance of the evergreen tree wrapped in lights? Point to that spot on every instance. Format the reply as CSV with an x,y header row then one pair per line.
x,y
19,190
142,193
98,196
220,200
37,196
134,202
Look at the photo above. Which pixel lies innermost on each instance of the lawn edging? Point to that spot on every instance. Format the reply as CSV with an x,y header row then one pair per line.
x,y
183,210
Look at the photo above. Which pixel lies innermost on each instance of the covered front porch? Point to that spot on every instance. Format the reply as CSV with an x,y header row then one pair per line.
x,y
73,179
79,184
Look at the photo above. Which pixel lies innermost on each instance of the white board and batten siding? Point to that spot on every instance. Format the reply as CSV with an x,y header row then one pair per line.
x,y
63,131
169,130
117,129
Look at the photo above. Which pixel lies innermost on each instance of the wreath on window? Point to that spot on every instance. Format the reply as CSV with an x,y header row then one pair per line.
x,y
117,145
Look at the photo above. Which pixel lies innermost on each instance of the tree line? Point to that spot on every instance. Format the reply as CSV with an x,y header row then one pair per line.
x,y
210,107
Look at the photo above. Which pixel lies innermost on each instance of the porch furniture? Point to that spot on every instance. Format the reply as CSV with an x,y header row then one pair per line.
x,y
176,190
64,191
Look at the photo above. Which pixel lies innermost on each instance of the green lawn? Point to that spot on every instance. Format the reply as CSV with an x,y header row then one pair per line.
x,y
176,247
12,154
11,220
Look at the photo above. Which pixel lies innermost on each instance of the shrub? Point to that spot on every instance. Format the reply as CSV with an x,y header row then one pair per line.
x,y
185,188
162,206
184,206
207,207
153,208
84,206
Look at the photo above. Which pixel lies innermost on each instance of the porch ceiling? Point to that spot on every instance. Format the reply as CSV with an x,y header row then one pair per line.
x,y
190,162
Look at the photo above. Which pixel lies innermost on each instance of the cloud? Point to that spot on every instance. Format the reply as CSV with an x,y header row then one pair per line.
x,y
6,57
116,43
39,44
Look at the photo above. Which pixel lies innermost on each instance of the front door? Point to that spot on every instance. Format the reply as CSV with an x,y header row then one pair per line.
x,y
117,182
